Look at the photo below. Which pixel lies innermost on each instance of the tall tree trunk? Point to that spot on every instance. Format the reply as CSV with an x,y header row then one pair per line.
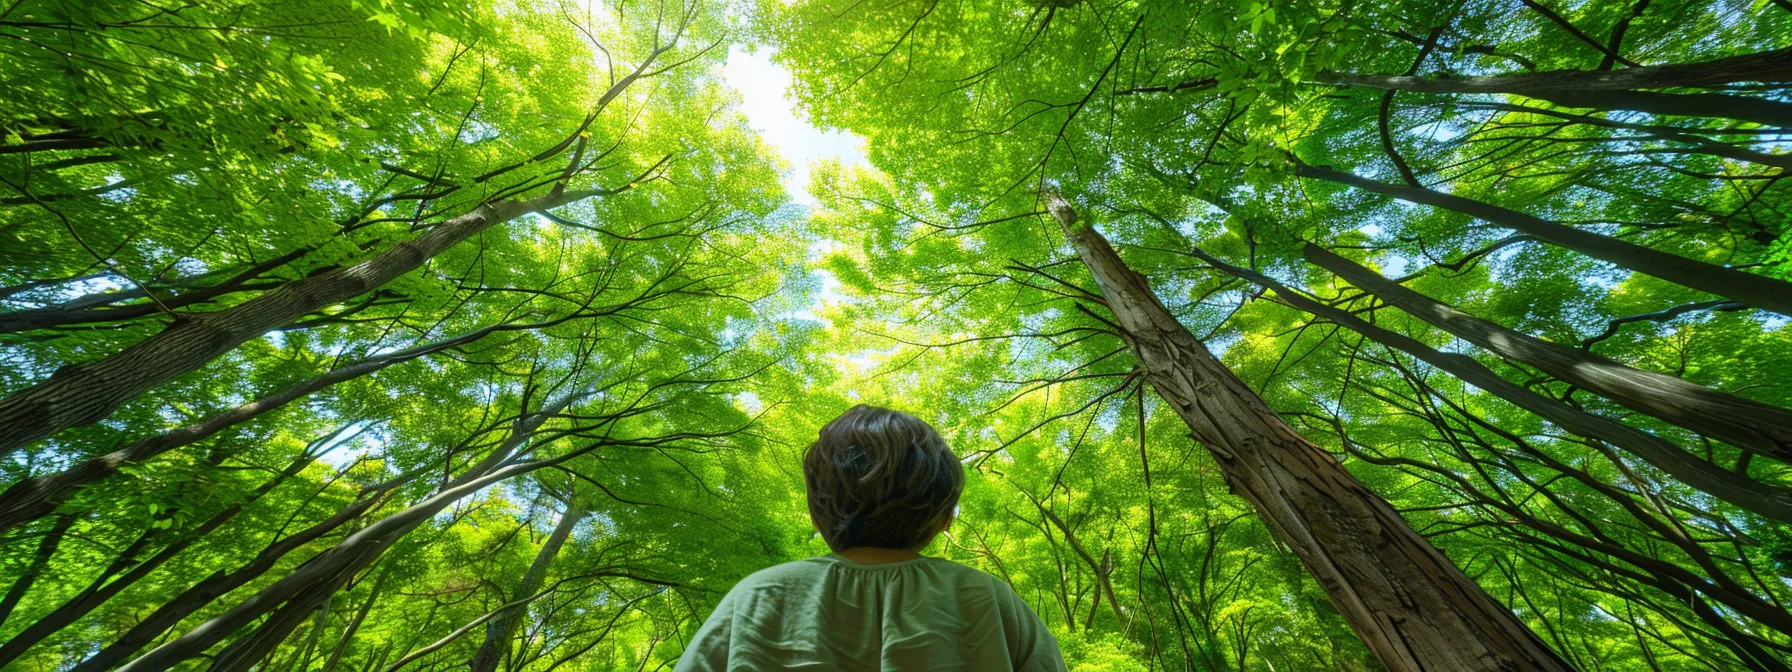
x,y
1765,500
1703,145
86,393
1750,425
307,586
1615,89
243,654
37,496
103,589
500,630
193,599
1413,608
93,308
1756,290
46,548
1773,67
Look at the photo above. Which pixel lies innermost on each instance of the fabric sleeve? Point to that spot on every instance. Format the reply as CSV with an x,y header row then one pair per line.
x,y
1036,650
708,649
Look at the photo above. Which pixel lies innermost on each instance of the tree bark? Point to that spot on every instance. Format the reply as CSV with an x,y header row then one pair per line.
x,y
1756,290
38,496
1767,501
1615,89
500,630
307,586
1747,424
1414,609
86,393
93,308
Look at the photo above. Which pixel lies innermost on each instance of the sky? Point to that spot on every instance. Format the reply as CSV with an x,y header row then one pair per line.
x,y
764,87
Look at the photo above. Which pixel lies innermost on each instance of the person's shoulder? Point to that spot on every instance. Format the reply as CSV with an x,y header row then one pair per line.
x,y
967,576
795,571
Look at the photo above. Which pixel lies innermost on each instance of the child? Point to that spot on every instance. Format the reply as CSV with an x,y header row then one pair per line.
x,y
881,484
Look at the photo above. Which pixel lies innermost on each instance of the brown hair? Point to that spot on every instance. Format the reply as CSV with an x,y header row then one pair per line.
x,y
882,478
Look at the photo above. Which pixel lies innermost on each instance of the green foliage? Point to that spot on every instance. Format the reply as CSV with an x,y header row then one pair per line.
x,y
165,162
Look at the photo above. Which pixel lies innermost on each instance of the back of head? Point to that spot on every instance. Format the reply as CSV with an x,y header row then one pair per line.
x,y
880,478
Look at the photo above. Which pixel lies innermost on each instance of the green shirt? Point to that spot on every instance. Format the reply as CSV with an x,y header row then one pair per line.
x,y
830,613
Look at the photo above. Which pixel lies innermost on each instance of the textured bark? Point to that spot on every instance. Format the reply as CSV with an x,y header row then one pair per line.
x,y
38,496
1750,425
86,393
46,548
1756,290
293,596
1765,500
193,599
500,630
93,308
1413,608
1615,89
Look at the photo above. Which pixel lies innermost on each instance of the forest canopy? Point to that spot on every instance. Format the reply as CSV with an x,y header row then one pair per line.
x,y
356,335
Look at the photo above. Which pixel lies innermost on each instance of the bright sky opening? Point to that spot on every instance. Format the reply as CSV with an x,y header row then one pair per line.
x,y
764,89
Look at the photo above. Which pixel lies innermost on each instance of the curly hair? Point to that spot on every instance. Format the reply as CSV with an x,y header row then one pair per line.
x,y
882,478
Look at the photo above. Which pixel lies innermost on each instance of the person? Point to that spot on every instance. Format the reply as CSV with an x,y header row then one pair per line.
x,y
881,485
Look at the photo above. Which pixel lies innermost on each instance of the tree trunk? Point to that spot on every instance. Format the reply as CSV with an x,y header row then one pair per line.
x,y
46,548
93,308
86,393
1413,608
102,590
38,496
1750,425
172,612
1704,146
1755,290
412,656
1765,500
500,630
242,654
308,585
1614,89
1773,67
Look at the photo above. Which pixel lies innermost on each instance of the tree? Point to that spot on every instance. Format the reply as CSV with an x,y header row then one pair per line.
x,y
1412,607
1509,276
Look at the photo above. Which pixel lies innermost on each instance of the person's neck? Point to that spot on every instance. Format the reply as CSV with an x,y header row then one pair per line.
x,y
872,555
